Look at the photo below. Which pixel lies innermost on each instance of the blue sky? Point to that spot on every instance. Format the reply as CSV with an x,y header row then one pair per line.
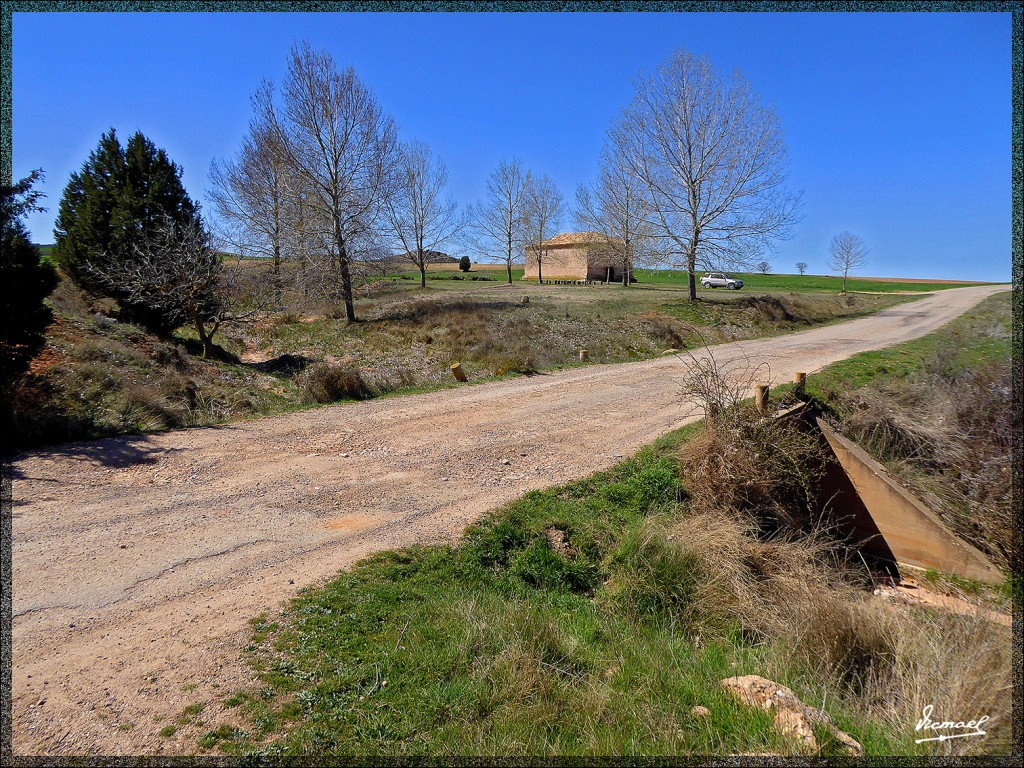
x,y
898,124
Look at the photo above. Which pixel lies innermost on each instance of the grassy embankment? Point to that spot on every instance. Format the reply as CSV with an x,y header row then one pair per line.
x,y
100,377
590,618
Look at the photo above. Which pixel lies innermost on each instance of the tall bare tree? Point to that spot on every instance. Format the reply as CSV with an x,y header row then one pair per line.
x,y
801,267
847,253
252,198
617,207
499,220
337,139
714,161
542,213
422,218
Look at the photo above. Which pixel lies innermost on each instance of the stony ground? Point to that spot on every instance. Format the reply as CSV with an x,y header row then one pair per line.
x,y
139,560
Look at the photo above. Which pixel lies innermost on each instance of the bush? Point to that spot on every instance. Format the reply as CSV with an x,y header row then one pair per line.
x,y
465,264
664,329
325,383
766,468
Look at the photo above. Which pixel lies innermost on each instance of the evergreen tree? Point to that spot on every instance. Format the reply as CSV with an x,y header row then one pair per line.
x,y
122,195
24,283
85,233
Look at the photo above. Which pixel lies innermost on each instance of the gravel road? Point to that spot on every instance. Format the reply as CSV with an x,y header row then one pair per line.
x,y
138,561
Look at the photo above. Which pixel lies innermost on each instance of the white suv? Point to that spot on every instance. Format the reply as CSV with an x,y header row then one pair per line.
x,y
721,280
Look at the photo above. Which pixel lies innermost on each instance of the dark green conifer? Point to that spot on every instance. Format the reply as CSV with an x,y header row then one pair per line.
x,y
120,197
24,284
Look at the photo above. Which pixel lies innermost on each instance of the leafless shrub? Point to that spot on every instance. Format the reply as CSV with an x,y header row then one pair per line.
x,y
170,355
764,467
398,378
288,317
718,386
768,309
665,330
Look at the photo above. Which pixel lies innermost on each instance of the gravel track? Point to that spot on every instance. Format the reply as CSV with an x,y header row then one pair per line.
x,y
138,561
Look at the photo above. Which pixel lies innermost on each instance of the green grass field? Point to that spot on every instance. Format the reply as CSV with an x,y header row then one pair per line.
x,y
797,283
979,336
669,278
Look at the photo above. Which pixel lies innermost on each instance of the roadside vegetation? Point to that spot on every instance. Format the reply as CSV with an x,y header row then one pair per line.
x,y
591,618
938,413
98,375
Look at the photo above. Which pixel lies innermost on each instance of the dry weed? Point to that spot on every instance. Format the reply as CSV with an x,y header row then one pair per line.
x,y
948,433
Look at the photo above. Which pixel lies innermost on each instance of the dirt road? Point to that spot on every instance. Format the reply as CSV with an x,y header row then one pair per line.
x,y
138,561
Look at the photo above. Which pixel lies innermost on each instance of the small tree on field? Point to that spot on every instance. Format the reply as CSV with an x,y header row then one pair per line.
x,y
342,147
847,253
500,220
542,214
252,197
801,267
617,207
421,217
714,160
764,267
465,264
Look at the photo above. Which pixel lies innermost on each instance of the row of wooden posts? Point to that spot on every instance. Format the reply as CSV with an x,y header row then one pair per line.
x,y
761,395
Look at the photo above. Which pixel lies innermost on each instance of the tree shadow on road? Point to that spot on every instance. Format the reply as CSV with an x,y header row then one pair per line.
x,y
113,452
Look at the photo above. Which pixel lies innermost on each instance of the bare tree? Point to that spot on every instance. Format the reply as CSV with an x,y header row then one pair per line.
x,y
422,219
764,267
801,266
847,253
251,196
714,160
618,208
542,214
499,220
337,139
177,273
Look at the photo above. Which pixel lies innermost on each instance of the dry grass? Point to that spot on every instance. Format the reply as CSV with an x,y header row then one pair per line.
x,y
324,383
799,592
763,467
948,433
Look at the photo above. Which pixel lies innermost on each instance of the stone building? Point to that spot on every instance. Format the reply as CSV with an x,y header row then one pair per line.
x,y
576,256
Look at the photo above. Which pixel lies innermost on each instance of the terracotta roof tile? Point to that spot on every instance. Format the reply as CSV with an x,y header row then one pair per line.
x,y
574,238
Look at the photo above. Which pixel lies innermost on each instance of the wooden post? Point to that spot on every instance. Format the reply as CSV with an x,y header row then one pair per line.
x,y
762,398
583,355
460,374
799,382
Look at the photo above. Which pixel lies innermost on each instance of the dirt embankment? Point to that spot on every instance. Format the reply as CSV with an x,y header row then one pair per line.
x,y
139,560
